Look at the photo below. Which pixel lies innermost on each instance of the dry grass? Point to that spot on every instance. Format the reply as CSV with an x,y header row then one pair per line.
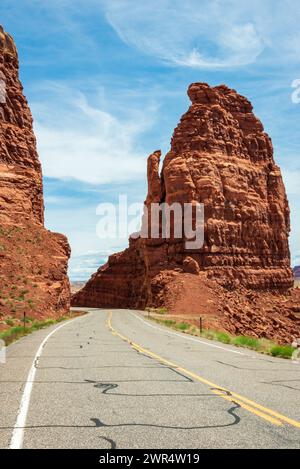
x,y
18,331
259,345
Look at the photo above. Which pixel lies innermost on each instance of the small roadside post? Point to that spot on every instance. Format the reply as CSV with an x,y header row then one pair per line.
x,y
200,325
24,320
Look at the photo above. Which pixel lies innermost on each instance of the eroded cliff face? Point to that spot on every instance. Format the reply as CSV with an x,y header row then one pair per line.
x,y
220,156
33,261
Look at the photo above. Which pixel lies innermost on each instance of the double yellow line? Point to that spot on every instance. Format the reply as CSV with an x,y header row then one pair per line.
x,y
264,412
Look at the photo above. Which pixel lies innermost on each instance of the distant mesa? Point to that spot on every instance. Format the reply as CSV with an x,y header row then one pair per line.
x,y
241,279
76,286
296,271
33,272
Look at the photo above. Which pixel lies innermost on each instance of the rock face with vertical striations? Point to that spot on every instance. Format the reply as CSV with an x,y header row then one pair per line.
x,y
33,261
220,156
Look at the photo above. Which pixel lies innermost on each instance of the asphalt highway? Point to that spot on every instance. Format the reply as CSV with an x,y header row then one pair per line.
x,y
114,379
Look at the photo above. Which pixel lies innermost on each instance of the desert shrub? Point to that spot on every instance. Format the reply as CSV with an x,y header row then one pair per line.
x,y
223,337
9,322
182,326
245,341
283,351
161,311
169,322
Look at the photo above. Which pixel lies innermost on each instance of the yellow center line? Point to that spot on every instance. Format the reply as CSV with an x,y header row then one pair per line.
x,y
264,412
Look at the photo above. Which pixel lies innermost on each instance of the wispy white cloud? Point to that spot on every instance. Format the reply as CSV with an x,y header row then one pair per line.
x,y
79,224
208,34
77,140
83,266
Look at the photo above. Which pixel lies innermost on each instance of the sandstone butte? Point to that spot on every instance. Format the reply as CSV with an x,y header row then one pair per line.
x,y
33,261
240,280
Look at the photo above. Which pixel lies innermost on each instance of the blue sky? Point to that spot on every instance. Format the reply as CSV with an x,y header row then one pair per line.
x,y
106,81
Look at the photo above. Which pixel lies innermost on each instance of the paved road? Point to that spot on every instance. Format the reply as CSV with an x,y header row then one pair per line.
x,y
114,379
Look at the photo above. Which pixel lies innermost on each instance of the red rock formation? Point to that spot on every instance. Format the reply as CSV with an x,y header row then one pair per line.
x,y
220,156
33,272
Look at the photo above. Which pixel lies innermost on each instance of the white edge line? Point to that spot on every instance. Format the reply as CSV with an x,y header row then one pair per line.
x,y
190,338
16,441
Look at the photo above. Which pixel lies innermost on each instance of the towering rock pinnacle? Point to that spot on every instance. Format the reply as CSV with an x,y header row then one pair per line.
x,y
21,191
33,259
220,156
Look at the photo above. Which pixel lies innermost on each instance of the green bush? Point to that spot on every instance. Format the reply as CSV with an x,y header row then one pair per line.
x,y
283,351
12,334
223,337
17,329
169,322
161,311
10,322
260,345
15,333
182,326
245,341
